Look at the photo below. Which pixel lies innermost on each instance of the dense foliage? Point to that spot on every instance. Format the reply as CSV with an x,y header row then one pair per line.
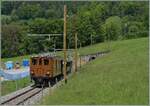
x,y
99,21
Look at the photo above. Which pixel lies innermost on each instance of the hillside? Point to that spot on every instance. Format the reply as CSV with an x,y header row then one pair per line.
x,y
121,77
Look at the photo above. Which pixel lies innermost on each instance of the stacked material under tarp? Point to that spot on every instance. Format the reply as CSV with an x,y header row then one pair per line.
x,y
14,74
25,63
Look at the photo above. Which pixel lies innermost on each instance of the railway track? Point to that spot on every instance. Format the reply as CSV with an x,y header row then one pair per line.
x,y
22,97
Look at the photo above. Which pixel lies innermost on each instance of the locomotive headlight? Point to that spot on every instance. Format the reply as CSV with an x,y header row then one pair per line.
x,y
31,72
48,73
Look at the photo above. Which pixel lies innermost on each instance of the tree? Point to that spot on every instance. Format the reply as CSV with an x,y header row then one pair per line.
x,y
14,16
50,13
43,26
103,20
27,11
12,40
113,28
6,19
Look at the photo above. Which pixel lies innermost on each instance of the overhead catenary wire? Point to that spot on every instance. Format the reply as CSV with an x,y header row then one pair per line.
x,y
49,36
55,34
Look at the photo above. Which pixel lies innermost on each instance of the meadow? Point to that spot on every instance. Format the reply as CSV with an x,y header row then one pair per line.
x,y
120,77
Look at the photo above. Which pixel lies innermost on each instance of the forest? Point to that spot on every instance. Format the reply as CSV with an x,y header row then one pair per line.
x,y
96,20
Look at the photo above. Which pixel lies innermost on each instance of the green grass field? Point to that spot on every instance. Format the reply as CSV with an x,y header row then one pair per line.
x,y
10,86
120,77
16,59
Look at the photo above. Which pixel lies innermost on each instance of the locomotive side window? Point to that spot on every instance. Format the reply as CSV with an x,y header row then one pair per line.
x,y
46,61
40,61
34,61
56,64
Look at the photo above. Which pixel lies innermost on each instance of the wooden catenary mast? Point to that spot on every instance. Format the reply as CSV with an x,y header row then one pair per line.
x,y
75,37
64,41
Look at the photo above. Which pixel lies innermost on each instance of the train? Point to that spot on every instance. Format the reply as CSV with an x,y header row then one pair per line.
x,y
46,70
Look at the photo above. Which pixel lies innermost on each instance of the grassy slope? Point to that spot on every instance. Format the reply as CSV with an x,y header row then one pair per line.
x,y
10,86
121,77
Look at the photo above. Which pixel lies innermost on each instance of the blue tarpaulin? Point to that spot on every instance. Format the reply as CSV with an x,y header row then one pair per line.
x,y
15,74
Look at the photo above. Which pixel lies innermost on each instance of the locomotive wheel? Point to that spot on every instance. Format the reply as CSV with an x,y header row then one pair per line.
x,y
52,81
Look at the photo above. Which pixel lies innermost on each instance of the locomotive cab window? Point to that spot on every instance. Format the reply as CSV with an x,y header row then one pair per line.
x,y
46,61
34,61
40,61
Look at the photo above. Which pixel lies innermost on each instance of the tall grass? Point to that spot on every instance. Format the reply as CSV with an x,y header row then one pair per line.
x,y
121,77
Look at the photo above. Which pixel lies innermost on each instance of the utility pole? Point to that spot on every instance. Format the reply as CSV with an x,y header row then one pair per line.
x,y
75,37
76,52
0,59
65,35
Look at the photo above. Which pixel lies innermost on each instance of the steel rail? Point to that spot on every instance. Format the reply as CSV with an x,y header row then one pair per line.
x,y
17,96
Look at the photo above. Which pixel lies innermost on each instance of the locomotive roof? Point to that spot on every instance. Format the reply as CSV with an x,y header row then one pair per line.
x,y
48,57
